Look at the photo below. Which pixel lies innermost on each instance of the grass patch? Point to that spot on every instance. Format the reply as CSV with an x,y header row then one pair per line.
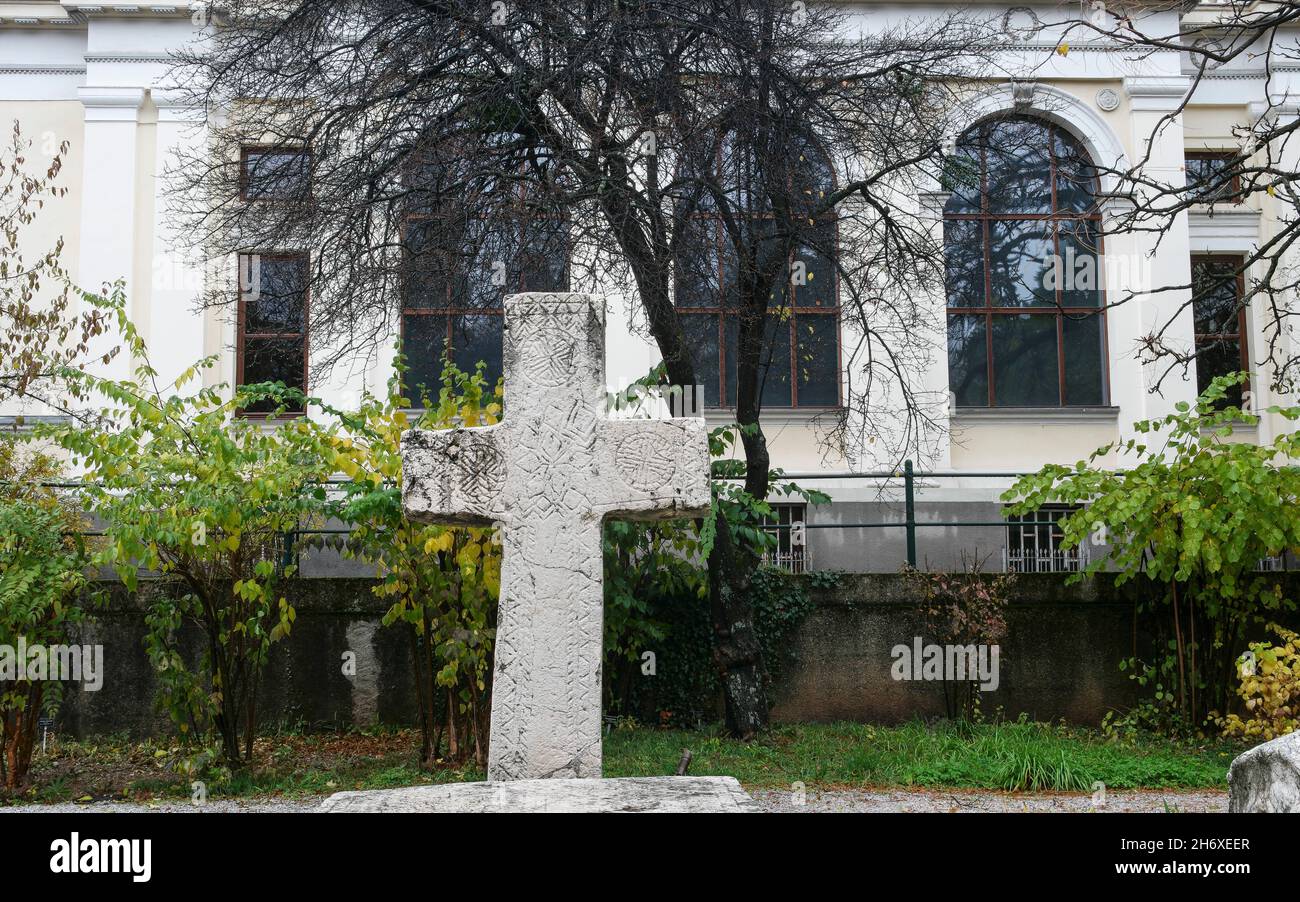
x,y
1008,756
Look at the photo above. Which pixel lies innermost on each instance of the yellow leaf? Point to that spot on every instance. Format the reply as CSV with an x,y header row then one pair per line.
x,y
1063,49
438,543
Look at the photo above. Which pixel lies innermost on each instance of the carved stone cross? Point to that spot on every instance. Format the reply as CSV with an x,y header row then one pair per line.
x,y
548,476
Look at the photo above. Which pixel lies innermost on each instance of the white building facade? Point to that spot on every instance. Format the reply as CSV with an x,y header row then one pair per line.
x,y
91,75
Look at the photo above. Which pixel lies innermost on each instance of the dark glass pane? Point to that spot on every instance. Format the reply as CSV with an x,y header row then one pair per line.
x,y
963,248
816,253
1216,302
274,291
812,177
276,174
489,260
817,364
1209,176
273,360
766,241
968,361
961,175
697,265
774,361
730,272
1080,274
1025,361
1076,176
1020,262
433,274
701,330
544,261
424,342
476,337
1218,357
1019,167
1085,355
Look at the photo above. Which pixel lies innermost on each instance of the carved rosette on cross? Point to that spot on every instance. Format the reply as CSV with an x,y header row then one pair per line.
x,y
548,476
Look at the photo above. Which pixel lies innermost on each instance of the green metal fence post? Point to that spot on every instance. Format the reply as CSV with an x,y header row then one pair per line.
x,y
909,510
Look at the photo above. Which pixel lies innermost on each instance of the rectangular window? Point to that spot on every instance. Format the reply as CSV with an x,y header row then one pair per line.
x,y
1034,542
1219,312
273,310
274,173
1210,176
787,524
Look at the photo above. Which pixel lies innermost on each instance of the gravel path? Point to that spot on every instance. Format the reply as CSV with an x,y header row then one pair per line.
x,y
223,806
917,800
960,800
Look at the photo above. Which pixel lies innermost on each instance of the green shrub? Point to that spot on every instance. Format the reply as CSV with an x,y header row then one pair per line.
x,y
42,563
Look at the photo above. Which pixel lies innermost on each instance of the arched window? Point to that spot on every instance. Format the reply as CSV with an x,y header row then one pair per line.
x,y
801,348
1022,239
468,240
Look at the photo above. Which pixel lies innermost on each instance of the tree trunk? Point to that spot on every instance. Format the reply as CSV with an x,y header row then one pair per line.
x,y
736,652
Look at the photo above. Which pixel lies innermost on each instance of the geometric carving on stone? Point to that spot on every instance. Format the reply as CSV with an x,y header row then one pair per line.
x,y
639,462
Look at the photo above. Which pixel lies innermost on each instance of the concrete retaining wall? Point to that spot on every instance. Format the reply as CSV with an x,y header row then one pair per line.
x,y
1060,658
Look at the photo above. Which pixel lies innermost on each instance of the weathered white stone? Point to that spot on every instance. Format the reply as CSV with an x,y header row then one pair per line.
x,y
549,475
1267,778
628,794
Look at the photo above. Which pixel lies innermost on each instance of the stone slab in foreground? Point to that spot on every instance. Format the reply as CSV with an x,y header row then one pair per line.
x,y
1267,778
583,795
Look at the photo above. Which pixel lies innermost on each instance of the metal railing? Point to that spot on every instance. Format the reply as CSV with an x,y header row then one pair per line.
x,y
907,479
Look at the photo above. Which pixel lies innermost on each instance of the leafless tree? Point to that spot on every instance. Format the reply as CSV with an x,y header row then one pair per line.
x,y
1224,36
42,331
743,155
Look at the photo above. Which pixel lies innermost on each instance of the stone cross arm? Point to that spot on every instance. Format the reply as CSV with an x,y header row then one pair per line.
x,y
635,469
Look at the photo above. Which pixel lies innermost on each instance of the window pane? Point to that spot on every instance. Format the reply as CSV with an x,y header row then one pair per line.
x,y
424,341
272,360
274,291
818,362
1080,273
812,177
1025,361
1084,357
431,271
1218,357
768,242
1216,303
1076,177
1209,177
544,263
701,330
489,267
276,174
697,265
963,248
1019,167
477,337
774,362
968,362
1020,257
818,288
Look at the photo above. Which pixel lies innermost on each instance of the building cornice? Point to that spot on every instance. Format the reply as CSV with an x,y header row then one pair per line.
x,y
41,69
